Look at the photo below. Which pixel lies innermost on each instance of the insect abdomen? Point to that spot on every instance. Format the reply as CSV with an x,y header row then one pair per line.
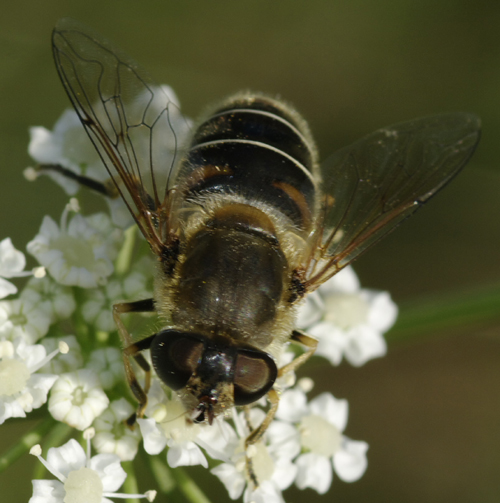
x,y
255,147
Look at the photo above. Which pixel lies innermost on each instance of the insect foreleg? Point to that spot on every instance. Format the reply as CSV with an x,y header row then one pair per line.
x,y
133,349
306,340
255,435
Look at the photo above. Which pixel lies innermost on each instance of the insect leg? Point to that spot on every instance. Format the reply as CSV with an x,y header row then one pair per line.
x,y
106,188
306,340
256,434
311,345
133,349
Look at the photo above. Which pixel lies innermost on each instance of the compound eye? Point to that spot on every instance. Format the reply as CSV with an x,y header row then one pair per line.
x,y
254,375
175,356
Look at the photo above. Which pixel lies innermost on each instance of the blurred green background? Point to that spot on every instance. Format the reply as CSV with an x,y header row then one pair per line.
x,y
430,409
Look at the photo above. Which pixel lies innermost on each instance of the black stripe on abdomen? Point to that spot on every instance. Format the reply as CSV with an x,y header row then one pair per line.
x,y
254,170
259,126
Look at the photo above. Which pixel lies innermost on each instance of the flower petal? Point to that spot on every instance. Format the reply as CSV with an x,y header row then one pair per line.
x,y
186,454
350,463
154,439
314,472
47,491
383,311
363,344
231,478
109,470
334,410
6,288
292,405
67,458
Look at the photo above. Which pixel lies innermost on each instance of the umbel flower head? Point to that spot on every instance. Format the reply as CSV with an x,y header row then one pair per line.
x,y
92,263
347,320
80,478
22,387
78,253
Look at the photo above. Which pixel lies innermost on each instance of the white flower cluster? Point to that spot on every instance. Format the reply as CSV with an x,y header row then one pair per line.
x,y
58,345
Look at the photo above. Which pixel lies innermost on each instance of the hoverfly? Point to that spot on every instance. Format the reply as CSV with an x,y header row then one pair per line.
x,y
246,222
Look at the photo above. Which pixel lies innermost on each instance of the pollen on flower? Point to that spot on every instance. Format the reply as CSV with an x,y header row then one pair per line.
x,y
36,450
39,272
150,495
63,347
31,174
89,433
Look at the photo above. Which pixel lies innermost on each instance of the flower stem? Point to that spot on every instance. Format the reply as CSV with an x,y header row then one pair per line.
x,y
189,488
162,474
130,484
443,313
122,263
25,443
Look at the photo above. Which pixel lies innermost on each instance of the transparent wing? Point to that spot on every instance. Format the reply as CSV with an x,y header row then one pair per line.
x,y
135,125
374,184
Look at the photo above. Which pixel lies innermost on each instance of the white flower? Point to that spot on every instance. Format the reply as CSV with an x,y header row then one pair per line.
x,y
80,477
168,425
20,318
77,399
107,363
272,468
76,253
324,448
12,263
64,362
22,389
113,435
69,146
96,310
51,297
347,320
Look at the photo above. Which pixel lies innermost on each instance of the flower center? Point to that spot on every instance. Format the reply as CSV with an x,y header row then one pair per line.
x,y
83,486
77,252
14,375
319,436
262,463
174,426
79,396
18,319
346,310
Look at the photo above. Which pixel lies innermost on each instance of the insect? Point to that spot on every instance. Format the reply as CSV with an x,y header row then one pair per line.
x,y
246,221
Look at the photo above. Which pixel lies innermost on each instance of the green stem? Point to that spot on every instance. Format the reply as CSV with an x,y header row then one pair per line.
x,y
162,474
130,484
25,443
189,488
453,312
122,263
